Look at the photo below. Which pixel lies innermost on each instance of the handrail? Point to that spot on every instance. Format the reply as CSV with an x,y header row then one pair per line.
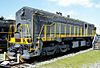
x,y
57,32
44,26
41,30
6,32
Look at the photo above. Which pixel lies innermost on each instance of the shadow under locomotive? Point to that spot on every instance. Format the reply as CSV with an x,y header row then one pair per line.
x,y
39,59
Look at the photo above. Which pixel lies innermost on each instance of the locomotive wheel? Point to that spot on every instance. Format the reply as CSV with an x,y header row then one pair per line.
x,y
63,48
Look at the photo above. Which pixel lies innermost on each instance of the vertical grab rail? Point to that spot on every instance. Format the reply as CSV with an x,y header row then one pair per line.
x,y
21,30
41,30
81,31
70,30
50,31
87,31
28,31
55,30
59,29
74,30
65,30
93,32
45,32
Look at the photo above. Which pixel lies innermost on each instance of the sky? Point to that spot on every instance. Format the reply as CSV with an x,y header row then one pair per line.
x,y
86,10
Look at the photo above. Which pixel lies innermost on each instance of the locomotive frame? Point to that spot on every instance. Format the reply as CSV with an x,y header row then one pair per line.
x,y
47,33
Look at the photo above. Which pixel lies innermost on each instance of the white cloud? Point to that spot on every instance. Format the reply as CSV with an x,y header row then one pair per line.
x,y
52,0
10,17
85,3
97,6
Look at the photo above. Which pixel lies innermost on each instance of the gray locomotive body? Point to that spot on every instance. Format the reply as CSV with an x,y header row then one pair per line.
x,y
36,18
53,33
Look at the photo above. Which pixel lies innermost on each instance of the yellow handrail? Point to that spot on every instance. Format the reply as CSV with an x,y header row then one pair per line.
x,y
65,29
75,30
70,29
45,31
81,30
50,31
87,30
55,30
59,29
44,26
41,31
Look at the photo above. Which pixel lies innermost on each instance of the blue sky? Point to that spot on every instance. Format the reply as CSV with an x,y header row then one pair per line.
x,y
86,10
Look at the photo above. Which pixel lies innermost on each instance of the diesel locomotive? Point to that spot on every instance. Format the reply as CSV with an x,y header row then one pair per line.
x,y
40,33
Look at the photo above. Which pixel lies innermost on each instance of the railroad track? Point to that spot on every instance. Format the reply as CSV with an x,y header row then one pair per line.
x,y
37,61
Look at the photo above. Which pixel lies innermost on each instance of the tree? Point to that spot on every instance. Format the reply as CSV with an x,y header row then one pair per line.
x,y
1,18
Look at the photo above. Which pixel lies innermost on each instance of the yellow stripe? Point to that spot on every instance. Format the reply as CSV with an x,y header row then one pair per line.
x,y
70,29
65,29
45,31
50,31
74,30
55,30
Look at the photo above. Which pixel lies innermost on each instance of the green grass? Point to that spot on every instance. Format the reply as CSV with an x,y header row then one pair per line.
x,y
1,57
76,61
